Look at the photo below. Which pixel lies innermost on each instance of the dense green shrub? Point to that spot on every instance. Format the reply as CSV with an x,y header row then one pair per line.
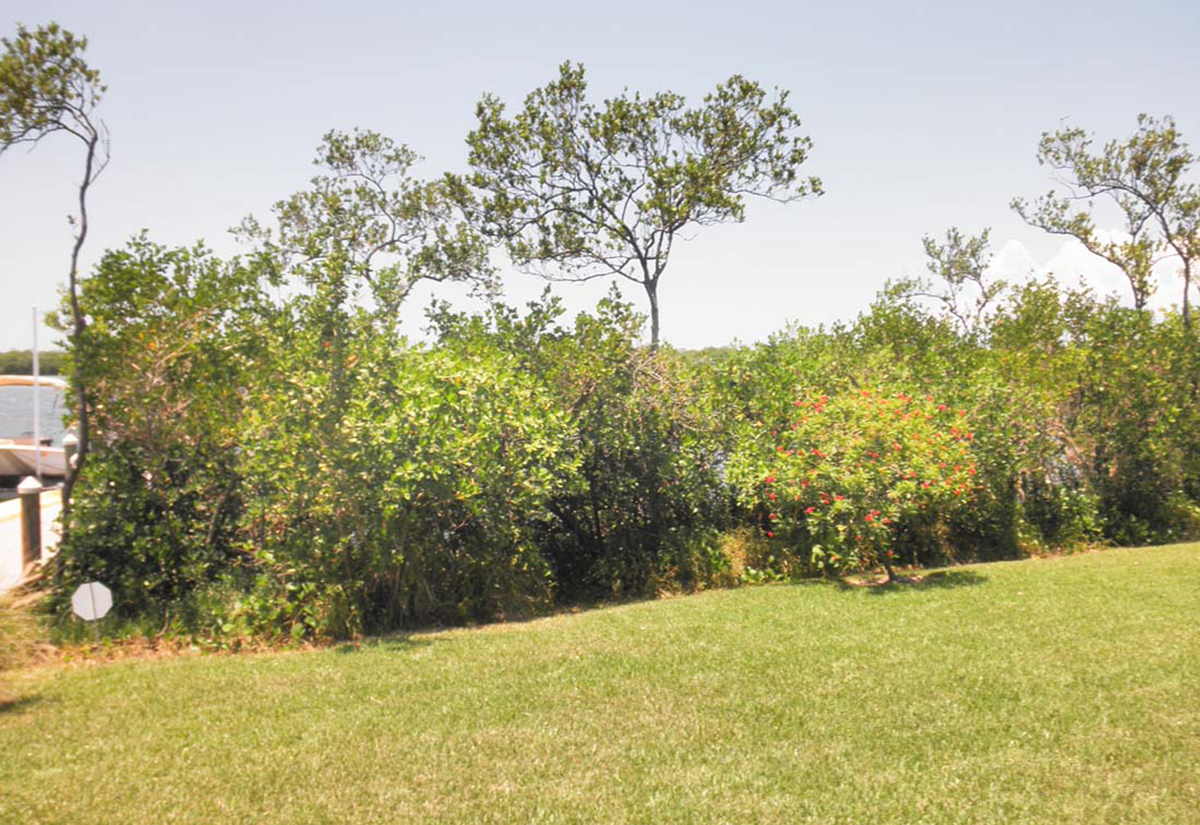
x,y
294,466
643,498
413,504
156,507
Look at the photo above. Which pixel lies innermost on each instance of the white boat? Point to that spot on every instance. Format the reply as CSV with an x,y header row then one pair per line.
x,y
17,459
19,456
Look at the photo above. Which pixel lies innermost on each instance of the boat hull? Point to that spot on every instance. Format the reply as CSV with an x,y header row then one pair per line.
x,y
21,460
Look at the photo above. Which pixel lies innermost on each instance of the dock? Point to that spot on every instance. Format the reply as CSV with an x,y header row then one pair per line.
x,y
10,535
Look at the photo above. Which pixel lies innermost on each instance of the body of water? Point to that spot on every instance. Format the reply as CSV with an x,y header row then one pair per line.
x,y
16,412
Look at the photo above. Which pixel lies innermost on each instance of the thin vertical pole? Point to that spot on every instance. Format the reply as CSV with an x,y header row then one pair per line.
x,y
91,586
37,401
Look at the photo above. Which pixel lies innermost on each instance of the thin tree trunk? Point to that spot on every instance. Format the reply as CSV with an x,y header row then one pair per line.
x,y
78,326
1187,320
1187,287
887,566
652,293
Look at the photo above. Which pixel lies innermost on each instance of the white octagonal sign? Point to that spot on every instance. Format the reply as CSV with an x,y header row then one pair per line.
x,y
91,601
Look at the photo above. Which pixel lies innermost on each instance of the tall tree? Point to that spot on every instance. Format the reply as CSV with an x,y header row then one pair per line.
x,y
349,249
366,229
578,190
961,264
1145,177
46,87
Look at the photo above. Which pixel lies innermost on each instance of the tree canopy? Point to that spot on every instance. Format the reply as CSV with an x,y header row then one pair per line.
x,y
367,228
1145,177
579,190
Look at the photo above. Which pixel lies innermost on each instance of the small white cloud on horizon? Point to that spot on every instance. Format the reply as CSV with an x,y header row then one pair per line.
x,y
1072,263
1014,262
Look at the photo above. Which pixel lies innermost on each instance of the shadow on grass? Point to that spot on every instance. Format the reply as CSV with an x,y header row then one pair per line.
x,y
16,703
395,643
421,636
936,580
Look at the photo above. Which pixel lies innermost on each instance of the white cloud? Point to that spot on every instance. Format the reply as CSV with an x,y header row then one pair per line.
x,y
1014,262
1071,263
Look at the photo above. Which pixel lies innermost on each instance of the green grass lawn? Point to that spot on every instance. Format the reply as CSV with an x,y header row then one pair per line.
x,y
1056,691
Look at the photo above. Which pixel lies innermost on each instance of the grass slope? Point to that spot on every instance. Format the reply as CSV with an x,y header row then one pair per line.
x,y
1054,691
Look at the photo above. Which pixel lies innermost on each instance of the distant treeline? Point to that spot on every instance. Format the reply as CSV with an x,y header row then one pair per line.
x,y
20,362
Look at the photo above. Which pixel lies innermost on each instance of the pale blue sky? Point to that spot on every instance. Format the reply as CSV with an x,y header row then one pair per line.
x,y
924,115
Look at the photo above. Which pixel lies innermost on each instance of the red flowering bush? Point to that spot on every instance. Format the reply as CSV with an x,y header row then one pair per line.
x,y
857,479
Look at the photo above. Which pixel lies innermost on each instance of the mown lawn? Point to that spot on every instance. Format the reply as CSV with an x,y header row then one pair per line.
x,y
1064,690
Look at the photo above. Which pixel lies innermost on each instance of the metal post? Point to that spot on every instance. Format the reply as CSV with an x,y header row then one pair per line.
x,y
70,448
92,599
37,403
31,521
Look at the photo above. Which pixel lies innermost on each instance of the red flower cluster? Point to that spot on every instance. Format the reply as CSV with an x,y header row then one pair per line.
x,y
882,458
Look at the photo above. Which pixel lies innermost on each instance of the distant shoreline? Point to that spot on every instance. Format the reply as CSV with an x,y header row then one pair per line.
x,y
20,362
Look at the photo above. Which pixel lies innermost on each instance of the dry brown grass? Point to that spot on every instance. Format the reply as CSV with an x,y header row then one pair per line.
x,y
22,642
